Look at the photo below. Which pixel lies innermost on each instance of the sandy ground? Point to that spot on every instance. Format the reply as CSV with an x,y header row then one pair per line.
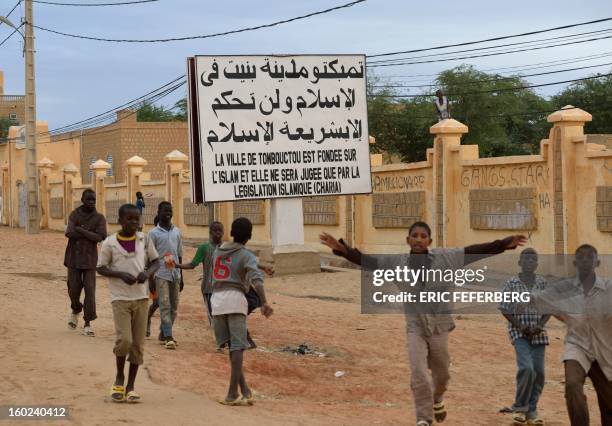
x,y
43,362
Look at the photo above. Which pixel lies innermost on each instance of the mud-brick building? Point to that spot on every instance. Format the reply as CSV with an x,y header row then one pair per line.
x,y
125,138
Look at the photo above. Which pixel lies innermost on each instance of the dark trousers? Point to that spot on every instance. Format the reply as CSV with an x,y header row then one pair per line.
x,y
575,398
79,279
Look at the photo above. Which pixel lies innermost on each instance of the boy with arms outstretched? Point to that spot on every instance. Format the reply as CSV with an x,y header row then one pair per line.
x,y
427,333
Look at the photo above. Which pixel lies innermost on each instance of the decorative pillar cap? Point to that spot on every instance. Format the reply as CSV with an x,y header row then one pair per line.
x,y
70,169
570,114
448,126
100,165
136,161
176,156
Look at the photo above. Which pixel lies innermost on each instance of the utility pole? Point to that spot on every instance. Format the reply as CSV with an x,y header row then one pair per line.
x,y
33,207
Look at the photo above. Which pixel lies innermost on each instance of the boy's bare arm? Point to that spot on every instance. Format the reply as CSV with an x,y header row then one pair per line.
x,y
266,309
149,273
127,278
186,266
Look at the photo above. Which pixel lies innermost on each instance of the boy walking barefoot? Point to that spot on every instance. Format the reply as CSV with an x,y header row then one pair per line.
x,y
235,271
427,333
123,259
86,228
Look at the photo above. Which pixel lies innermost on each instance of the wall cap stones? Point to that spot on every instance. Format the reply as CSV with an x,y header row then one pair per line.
x,y
448,126
570,114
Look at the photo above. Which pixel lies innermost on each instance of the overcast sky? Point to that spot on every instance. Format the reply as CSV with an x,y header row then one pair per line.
x,y
79,78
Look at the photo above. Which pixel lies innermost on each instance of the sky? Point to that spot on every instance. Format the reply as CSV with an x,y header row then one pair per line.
x,y
76,78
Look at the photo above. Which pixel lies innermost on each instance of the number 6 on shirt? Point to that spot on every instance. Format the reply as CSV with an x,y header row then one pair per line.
x,y
222,271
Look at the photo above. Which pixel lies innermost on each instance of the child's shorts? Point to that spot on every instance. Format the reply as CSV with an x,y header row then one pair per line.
x,y
231,329
130,318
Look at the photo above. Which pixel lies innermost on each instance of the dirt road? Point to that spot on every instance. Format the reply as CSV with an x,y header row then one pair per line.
x,y
43,362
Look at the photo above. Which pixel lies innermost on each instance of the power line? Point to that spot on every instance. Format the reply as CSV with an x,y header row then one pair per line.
x,y
164,40
506,89
115,109
10,35
543,41
113,116
488,54
492,39
519,68
97,130
12,10
499,79
94,4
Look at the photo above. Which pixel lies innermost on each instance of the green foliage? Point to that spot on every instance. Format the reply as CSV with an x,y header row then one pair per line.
x,y
500,123
594,96
150,112
5,123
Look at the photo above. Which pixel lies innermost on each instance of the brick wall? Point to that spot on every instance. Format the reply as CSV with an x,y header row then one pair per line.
x,y
13,104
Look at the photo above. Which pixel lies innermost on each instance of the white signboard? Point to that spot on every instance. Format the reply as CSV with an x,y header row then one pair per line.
x,y
278,126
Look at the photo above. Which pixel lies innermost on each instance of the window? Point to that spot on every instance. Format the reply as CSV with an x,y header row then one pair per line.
x,y
109,160
13,116
91,161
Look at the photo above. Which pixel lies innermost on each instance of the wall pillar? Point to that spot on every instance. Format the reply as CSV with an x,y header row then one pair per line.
x,y
446,147
44,169
6,199
68,175
568,128
99,174
135,166
175,162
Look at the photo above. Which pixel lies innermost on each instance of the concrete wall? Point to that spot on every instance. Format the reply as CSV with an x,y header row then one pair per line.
x,y
560,198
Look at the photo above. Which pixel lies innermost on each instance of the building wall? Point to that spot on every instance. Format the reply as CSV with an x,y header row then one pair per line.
x,y
11,104
559,198
126,138
151,141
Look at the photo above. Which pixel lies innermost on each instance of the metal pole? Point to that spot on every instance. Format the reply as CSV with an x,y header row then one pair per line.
x,y
33,207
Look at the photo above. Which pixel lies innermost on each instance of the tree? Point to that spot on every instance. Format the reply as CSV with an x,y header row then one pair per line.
x,y
150,112
181,109
501,121
593,96
5,123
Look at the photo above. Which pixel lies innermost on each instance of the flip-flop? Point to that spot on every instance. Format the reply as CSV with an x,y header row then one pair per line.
x,y
239,401
439,411
519,419
117,393
251,399
535,422
132,397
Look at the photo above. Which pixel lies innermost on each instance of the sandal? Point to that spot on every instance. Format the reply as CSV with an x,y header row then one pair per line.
x,y
423,423
535,422
439,411
117,393
519,419
239,401
251,399
73,321
132,397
